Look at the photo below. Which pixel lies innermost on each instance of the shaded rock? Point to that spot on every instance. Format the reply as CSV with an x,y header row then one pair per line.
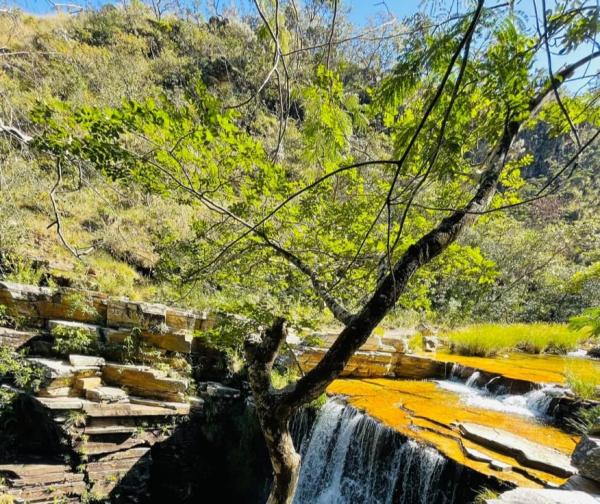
x,y
586,457
528,453
542,496
594,352
42,482
144,381
219,390
583,484
14,339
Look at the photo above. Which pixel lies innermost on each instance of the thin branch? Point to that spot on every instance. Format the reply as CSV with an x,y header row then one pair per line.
x,y
78,253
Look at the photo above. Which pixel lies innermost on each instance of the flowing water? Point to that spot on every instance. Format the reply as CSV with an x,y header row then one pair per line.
x,y
347,458
535,404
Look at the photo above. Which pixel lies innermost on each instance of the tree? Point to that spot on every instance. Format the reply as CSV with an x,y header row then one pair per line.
x,y
450,112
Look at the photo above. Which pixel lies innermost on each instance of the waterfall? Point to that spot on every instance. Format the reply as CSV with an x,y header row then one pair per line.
x,y
347,458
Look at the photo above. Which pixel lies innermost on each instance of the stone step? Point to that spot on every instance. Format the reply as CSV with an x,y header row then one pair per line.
x,y
106,395
90,382
145,382
109,430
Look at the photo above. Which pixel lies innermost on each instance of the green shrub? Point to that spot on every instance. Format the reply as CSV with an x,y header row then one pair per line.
x,y
486,340
588,320
5,319
74,340
24,374
586,387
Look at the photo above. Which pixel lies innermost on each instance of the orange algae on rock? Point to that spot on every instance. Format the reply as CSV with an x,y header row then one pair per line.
x,y
520,366
424,412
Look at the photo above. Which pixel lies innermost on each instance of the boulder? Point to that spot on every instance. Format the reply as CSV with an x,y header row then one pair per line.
x,y
586,457
542,496
594,352
144,381
528,453
430,343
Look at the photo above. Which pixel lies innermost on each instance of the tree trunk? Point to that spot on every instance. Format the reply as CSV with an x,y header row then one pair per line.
x,y
273,414
284,458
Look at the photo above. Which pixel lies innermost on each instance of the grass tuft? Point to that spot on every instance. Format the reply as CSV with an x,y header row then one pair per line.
x,y
486,340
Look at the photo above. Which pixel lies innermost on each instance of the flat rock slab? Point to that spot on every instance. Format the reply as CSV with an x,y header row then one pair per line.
x,y
534,496
145,381
107,395
61,403
528,453
86,360
93,330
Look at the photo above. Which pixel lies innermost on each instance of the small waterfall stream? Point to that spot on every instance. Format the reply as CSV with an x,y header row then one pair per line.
x,y
535,403
348,458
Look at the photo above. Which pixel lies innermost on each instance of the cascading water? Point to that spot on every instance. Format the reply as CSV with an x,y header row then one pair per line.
x,y
535,403
348,458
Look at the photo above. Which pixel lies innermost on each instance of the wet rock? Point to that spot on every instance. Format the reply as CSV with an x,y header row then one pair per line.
x,y
586,457
528,453
542,496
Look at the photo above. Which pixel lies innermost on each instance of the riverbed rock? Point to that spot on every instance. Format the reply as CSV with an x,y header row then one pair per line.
x,y
542,496
586,457
528,453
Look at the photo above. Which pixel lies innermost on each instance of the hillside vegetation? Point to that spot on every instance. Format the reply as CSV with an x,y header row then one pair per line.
x,y
537,262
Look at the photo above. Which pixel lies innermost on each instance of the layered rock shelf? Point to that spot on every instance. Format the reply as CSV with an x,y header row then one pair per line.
x,y
510,448
104,417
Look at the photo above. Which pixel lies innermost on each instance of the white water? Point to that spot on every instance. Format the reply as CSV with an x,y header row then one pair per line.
x,y
349,458
532,404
